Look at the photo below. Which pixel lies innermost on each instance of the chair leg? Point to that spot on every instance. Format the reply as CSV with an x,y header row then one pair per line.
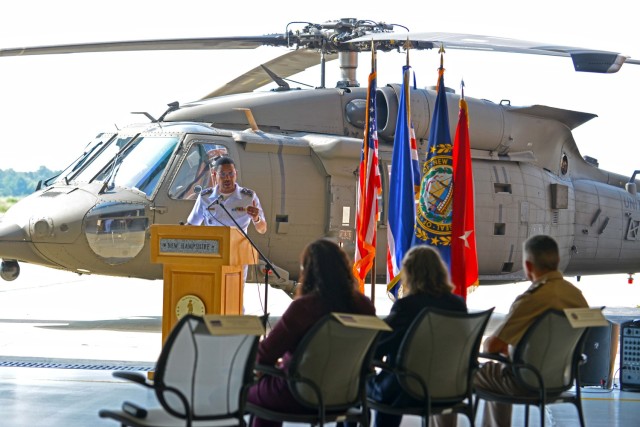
x,y
542,414
526,415
580,413
472,416
474,406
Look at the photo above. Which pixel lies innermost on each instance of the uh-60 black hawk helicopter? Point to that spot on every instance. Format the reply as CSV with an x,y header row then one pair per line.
x,y
300,149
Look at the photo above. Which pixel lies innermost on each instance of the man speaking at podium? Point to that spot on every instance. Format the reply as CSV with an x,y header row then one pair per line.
x,y
240,202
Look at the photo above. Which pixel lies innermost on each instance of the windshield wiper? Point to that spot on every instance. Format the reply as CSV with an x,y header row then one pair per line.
x,y
109,182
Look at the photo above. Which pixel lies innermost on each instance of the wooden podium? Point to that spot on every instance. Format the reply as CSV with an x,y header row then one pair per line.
x,y
202,270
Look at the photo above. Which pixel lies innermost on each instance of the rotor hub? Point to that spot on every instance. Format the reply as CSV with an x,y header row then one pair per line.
x,y
334,36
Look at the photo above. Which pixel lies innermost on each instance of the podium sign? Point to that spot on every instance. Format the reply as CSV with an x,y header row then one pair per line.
x,y
202,270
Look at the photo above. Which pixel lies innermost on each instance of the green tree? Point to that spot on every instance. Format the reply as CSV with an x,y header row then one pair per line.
x,y
20,184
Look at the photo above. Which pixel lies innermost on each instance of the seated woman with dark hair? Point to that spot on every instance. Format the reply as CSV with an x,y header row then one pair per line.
x,y
425,279
327,285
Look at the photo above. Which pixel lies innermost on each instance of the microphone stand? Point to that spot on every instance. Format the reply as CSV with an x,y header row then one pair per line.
x,y
268,267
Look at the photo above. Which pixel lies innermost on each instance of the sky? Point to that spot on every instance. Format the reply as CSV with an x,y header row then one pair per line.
x,y
51,106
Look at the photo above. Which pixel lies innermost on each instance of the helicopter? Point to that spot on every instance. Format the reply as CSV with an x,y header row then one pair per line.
x,y
300,149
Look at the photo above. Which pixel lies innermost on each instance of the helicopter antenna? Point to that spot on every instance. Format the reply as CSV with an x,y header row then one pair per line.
x,y
631,185
297,82
323,64
144,113
173,106
282,85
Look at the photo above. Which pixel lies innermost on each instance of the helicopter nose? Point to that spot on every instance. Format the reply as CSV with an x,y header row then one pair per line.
x,y
45,219
15,243
11,232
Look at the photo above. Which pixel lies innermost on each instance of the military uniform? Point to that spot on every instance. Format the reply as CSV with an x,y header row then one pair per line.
x,y
551,291
236,203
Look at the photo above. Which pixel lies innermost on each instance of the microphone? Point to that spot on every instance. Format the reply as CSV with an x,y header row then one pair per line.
x,y
217,200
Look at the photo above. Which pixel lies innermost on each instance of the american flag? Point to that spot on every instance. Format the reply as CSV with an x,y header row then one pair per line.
x,y
369,187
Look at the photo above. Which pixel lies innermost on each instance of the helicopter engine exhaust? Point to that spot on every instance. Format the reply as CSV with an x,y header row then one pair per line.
x,y
387,101
387,109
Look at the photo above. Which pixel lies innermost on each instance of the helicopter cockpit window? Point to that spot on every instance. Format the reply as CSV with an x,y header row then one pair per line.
x,y
116,231
194,174
91,150
141,164
100,160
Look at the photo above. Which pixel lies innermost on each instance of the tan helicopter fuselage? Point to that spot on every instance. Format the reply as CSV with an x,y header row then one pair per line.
x,y
529,178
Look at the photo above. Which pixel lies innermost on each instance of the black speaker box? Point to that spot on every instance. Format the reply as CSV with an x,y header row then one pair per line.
x,y
601,348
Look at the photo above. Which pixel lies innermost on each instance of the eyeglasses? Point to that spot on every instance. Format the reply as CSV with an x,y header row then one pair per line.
x,y
224,175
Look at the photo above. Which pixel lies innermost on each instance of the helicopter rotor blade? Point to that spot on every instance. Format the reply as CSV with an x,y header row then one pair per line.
x,y
286,65
329,38
206,43
587,60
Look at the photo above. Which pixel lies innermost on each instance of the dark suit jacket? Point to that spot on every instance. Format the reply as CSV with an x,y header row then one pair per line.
x,y
403,313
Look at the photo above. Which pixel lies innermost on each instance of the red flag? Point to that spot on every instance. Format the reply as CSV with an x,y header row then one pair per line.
x,y
369,188
464,257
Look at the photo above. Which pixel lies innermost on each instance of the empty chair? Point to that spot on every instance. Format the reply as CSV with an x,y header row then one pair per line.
x,y
200,379
436,362
545,366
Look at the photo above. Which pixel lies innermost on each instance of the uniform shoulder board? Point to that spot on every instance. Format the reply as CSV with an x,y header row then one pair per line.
x,y
535,286
247,191
206,191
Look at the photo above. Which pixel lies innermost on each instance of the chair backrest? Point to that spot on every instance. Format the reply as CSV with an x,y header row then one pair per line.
x,y
210,371
552,346
441,348
333,357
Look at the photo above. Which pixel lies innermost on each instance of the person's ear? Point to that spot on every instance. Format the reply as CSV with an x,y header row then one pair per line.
x,y
528,268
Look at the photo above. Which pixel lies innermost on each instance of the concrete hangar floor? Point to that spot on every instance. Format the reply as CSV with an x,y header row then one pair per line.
x,y
62,335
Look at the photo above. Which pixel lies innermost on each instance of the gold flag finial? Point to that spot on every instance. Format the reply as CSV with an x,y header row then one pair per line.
x,y
407,46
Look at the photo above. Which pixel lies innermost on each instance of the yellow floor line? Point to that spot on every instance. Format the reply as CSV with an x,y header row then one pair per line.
x,y
611,398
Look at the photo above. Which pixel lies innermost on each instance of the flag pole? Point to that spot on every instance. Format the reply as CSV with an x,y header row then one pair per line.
x,y
373,281
369,190
375,225
407,46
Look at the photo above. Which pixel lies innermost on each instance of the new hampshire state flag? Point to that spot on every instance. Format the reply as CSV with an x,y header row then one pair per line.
x,y
434,211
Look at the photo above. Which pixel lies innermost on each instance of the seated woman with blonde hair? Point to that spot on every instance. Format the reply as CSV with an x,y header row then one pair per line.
x,y
426,284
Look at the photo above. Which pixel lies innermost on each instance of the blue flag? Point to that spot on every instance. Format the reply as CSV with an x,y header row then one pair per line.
x,y
402,190
435,202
